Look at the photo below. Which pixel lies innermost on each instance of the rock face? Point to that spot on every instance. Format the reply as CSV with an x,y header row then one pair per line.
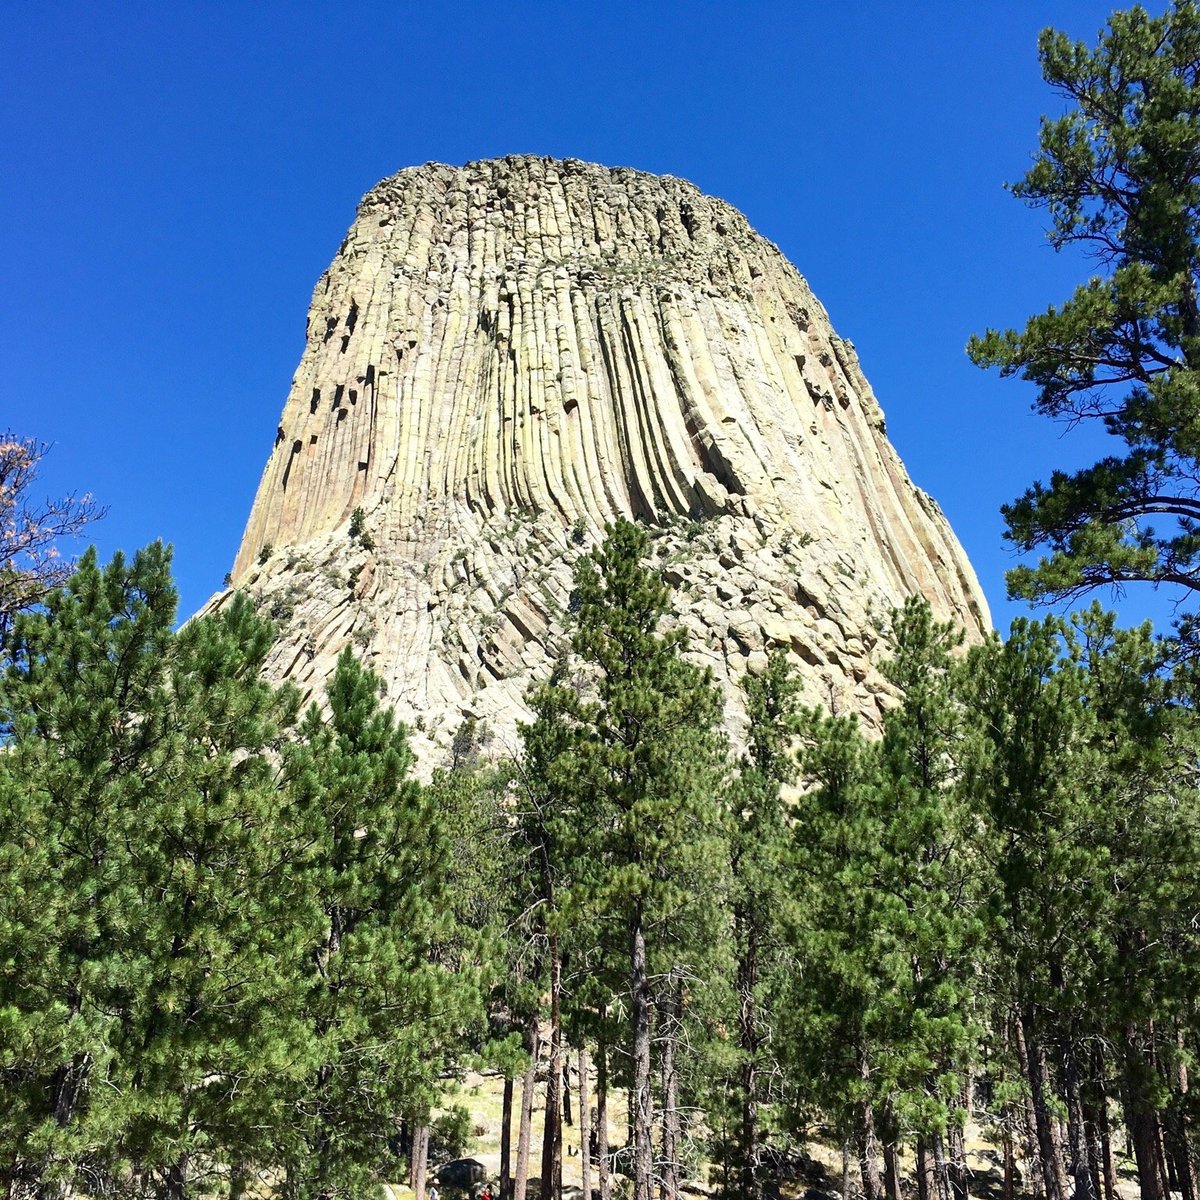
x,y
505,356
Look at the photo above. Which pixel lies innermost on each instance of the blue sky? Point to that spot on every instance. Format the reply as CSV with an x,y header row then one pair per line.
x,y
175,177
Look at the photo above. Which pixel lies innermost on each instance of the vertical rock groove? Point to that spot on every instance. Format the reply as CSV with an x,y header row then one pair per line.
x,y
504,357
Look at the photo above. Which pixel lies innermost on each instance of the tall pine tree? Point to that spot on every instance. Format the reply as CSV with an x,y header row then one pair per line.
x,y
626,742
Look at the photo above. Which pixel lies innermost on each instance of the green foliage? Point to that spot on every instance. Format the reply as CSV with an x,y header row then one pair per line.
x,y
880,1016
368,907
761,900
358,529
1119,175
137,810
1083,771
221,945
623,768
627,747
449,1134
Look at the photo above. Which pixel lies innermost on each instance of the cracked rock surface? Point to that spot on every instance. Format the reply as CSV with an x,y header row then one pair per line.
x,y
504,357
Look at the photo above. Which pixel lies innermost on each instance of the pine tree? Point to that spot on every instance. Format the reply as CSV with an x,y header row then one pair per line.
x,y
1119,175
629,751
210,1049
368,890
880,1009
1083,775
826,1010
927,864
82,705
147,1012
761,894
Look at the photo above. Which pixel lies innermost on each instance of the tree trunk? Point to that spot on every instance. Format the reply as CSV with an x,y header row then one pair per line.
x,y
238,1178
506,1141
1141,1118
526,1126
1108,1166
889,1131
1092,1132
751,1183
585,1128
640,1106
552,1128
1048,1143
1010,1173
868,1151
1177,1127
1035,1176
956,1168
1143,1136
926,1184
176,1181
1085,1184
603,1170
1184,1161
420,1160
671,1130
891,1171
1168,1183
66,1087
941,1174
845,1171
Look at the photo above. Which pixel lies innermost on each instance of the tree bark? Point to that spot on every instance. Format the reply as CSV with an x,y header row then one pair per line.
x,y
1035,1177
845,1171
941,1173
1092,1133
1108,1166
671,1129
420,1160
956,1168
926,1184
1048,1142
552,1128
868,1151
1141,1119
238,1178
891,1171
528,1083
1085,1184
176,1182
1178,1131
890,1131
1010,1173
603,1169
640,1104
585,1128
751,1183
1169,1184
506,1141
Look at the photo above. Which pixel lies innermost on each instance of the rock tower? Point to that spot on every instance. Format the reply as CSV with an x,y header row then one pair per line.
x,y
505,356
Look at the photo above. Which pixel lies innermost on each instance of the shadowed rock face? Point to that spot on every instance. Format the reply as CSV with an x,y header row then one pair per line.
x,y
505,356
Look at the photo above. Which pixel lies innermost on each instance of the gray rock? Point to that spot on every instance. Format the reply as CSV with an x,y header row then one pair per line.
x,y
505,357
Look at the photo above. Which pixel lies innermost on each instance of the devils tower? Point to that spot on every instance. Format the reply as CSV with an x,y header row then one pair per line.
x,y
504,357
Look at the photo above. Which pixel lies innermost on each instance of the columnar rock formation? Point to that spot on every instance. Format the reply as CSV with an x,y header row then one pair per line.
x,y
505,356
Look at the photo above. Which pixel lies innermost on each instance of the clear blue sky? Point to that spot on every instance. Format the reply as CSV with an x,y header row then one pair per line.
x,y
176,176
